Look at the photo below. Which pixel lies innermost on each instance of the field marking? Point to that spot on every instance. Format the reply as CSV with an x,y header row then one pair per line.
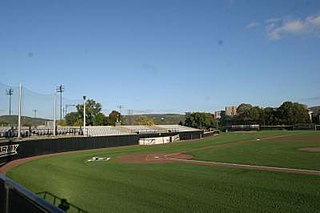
x,y
247,166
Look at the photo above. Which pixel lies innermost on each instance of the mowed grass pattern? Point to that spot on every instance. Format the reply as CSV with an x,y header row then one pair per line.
x,y
278,151
180,187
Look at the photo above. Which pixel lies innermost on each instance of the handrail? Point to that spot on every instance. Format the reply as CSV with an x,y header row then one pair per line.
x,y
45,193
31,198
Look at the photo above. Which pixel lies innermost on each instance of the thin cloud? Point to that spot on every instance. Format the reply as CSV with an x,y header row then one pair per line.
x,y
272,20
278,28
252,25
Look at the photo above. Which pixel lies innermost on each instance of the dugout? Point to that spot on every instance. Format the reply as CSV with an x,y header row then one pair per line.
x,y
251,127
304,126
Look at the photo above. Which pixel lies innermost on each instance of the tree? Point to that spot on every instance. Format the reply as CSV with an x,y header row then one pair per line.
x,y
201,120
243,112
94,116
101,119
114,117
292,113
92,109
73,118
61,122
300,113
270,116
144,120
286,113
242,108
255,115
250,114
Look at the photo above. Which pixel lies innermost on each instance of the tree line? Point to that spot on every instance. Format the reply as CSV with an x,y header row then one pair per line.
x,y
288,113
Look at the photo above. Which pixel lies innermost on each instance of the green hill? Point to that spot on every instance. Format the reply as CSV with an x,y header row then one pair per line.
x,y
159,119
12,120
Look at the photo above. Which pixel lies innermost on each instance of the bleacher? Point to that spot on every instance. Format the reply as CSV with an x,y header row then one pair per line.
x,y
4,131
177,128
104,131
64,131
139,129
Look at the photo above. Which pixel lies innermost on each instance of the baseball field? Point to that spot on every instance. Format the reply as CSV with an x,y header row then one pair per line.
x,y
267,171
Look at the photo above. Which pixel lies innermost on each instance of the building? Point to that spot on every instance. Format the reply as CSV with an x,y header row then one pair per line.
x,y
231,110
310,113
217,114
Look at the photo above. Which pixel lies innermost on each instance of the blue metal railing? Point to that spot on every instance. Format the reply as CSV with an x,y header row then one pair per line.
x,y
16,198
56,200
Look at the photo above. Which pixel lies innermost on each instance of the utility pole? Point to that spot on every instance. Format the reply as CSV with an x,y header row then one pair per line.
x,y
9,92
35,113
120,107
60,89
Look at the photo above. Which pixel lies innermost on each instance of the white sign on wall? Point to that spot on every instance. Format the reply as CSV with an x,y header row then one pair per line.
x,y
8,150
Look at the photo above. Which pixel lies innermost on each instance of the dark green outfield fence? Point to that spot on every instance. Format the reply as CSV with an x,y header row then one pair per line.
x,y
32,147
28,148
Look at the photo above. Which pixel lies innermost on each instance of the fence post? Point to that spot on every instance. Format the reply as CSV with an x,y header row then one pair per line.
x,y
7,188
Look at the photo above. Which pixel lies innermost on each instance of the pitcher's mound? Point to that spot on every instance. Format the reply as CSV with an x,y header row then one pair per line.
x,y
311,149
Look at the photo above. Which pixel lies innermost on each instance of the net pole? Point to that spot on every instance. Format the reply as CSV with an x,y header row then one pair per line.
x,y
54,113
84,115
19,110
61,105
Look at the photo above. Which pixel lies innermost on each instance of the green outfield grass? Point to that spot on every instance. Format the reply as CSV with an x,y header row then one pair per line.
x,y
279,152
179,187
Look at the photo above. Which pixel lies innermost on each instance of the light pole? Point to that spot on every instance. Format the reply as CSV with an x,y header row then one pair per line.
x,y
84,115
60,89
9,92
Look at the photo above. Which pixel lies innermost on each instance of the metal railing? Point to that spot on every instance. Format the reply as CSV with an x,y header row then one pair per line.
x,y
57,200
16,198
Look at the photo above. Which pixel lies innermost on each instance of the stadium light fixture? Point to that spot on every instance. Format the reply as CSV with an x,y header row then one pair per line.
x,y
9,92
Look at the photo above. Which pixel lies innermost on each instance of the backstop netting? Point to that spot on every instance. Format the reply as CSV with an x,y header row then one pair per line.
x,y
37,109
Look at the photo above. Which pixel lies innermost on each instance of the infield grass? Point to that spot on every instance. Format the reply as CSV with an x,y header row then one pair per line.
x,y
178,187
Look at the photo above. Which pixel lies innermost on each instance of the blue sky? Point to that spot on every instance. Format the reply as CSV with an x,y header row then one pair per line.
x,y
164,56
